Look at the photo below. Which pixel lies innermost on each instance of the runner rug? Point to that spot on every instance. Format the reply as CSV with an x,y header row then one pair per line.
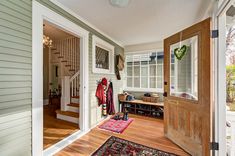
x,y
115,146
117,126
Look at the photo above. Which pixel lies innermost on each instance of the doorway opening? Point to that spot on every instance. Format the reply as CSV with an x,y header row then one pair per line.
x,y
43,15
61,70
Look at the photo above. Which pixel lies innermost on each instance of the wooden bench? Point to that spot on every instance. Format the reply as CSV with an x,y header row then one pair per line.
x,y
141,107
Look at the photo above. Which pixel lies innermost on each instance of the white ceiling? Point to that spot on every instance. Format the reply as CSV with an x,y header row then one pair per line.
x,y
54,32
142,21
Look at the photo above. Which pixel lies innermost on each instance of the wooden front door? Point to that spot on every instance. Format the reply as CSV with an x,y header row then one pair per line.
x,y
187,87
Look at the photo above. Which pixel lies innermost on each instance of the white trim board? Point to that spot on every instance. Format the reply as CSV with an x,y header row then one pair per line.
x,y
219,114
63,143
85,21
41,13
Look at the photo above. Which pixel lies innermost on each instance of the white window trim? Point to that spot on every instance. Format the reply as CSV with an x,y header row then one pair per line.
x,y
96,41
160,90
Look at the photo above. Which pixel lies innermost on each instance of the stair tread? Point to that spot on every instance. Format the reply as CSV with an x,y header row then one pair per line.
x,y
68,113
64,61
56,52
60,56
76,97
74,105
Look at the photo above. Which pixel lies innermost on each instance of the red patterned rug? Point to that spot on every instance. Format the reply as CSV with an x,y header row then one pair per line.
x,y
119,147
117,126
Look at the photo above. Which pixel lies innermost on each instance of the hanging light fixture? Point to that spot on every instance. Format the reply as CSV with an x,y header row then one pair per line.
x,y
47,41
119,3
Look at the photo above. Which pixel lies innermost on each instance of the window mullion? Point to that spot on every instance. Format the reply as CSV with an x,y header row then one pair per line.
x,y
133,72
148,77
156,71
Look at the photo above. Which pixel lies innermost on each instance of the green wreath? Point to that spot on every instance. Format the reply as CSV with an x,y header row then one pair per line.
x,y
180,52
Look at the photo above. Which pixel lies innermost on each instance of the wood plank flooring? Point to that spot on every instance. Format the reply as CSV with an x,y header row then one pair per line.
x,y
143,130
54,130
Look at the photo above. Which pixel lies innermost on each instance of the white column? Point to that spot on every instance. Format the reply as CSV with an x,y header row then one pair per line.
x,y
65,97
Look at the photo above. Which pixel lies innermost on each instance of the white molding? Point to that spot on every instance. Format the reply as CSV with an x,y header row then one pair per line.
x,y
41,13
68,118
219,73
96,41
86,22
63,143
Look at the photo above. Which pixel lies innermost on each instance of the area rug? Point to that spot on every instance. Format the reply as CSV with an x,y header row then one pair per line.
x,y
119,147
117,126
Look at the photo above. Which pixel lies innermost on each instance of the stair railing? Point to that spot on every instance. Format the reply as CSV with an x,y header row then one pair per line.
x,y
75,84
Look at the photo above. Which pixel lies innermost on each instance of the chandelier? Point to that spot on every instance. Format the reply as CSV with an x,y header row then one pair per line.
x,y
47,41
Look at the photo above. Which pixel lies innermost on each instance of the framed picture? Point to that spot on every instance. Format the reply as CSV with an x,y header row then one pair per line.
x,y
102,56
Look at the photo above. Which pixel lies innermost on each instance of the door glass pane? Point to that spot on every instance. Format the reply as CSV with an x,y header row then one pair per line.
x,y
152,82
159,82
144,71
144,82
186,65
129,82
159,70
129,70
136,82
136,70
152,70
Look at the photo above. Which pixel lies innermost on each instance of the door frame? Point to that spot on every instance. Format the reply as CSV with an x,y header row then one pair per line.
x,y
40,13
219,23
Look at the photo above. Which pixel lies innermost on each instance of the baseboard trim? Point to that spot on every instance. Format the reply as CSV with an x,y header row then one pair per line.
x,y
63,143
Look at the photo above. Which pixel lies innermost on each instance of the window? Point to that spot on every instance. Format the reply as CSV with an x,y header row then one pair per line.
x,y
102,56
144,72
184,72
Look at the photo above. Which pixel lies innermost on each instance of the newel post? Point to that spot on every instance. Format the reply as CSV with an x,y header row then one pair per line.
x,y
65,97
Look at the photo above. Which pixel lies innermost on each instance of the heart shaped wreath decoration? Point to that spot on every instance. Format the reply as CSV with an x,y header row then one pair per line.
x,y
180,52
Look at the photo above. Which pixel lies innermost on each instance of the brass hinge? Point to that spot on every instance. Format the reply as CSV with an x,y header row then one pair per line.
x,y
214,33
214,146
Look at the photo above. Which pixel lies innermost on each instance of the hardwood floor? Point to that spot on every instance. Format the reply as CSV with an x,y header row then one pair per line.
x,y
143,130
55,129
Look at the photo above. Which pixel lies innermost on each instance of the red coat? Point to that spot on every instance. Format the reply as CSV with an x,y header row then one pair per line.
x,y
100,94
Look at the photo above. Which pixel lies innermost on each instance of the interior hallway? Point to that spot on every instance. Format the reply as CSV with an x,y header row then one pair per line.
x,y
54,129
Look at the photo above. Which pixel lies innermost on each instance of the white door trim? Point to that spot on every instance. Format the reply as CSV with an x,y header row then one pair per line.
x,y
220,76
41,13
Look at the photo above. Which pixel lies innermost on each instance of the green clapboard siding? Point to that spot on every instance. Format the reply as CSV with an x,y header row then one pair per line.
x,y
15,77
95,111
15,74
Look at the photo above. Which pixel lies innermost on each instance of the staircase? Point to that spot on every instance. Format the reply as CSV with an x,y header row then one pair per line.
x,y
72,112
68,53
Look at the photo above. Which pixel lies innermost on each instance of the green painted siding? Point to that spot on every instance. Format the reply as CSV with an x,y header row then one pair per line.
x,y
95,111
15,77
16,73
